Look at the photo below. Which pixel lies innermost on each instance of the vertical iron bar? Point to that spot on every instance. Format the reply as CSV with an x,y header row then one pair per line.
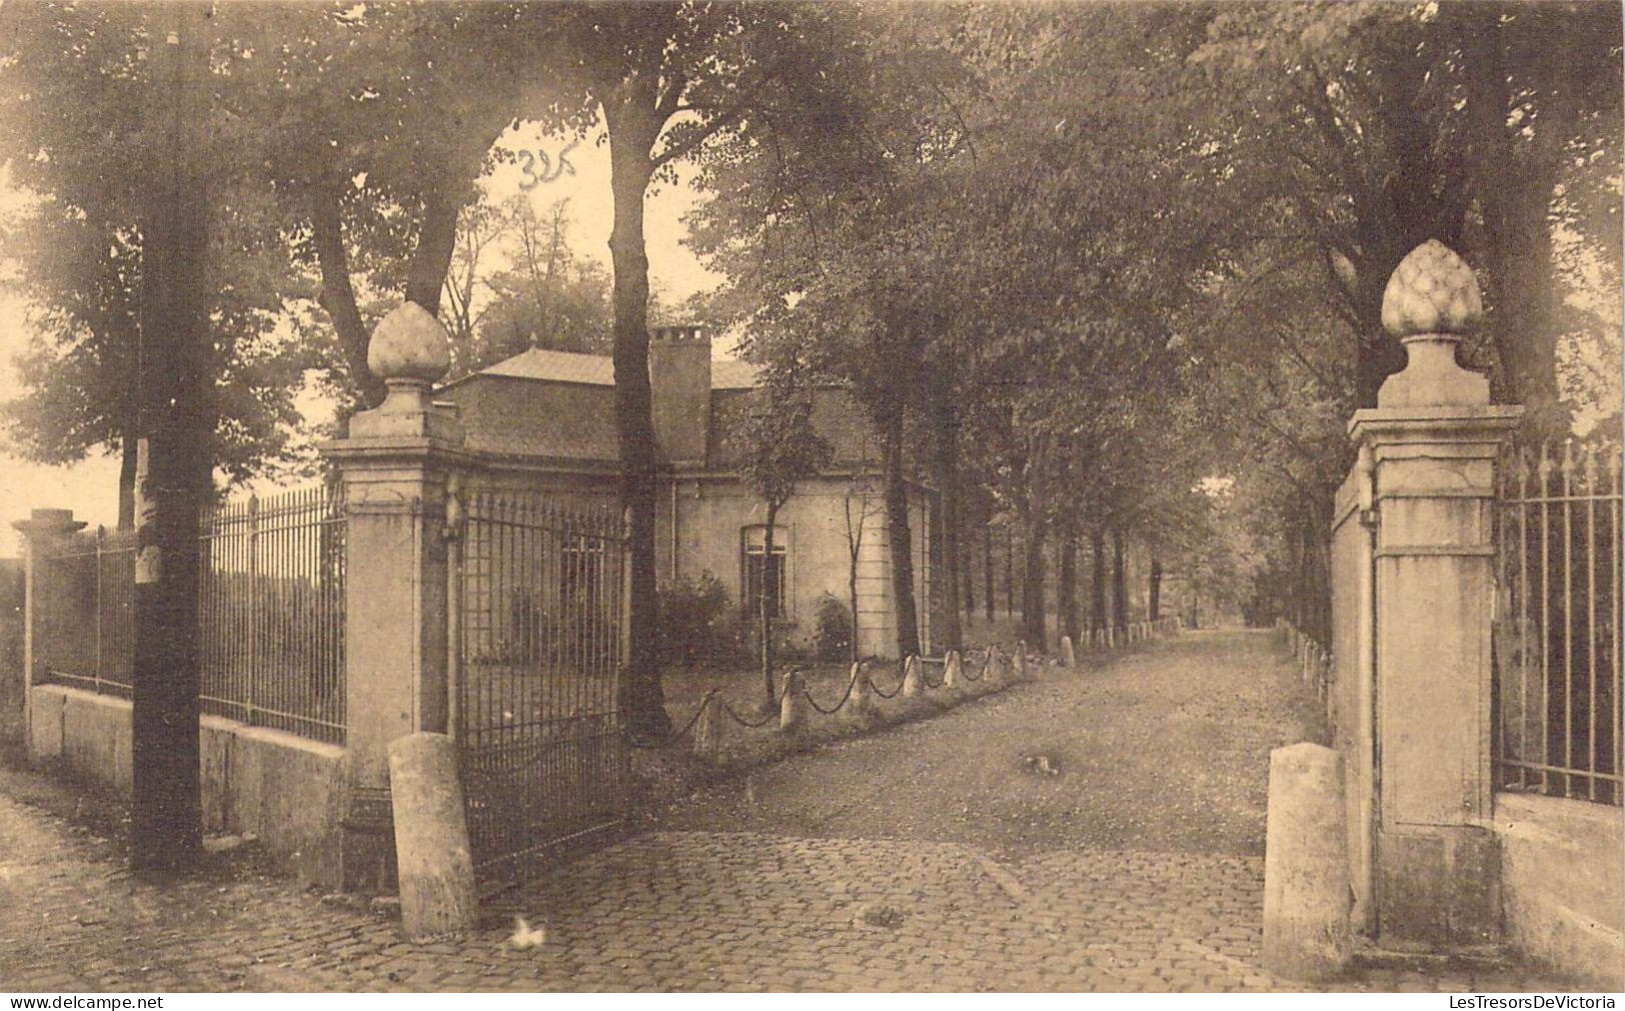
x,y
1544,474
1592,638
1568,618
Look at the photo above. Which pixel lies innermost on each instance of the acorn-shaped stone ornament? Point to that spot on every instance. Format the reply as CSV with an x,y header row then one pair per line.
x,y
1431,291
409,344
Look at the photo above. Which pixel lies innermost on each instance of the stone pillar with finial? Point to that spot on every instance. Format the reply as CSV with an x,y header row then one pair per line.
x,y
1432,442
396,465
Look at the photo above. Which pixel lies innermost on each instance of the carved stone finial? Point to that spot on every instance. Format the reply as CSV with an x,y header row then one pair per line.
x,y
1431,291
409,344
1431,299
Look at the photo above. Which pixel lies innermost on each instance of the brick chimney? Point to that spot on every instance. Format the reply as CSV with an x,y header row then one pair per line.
x,y
680,384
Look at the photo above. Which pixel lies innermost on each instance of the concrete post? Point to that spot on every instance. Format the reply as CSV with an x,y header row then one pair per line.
x,y
431,839
395,464
1306,881
1069,658
1021,662
792,704
952,677
43,532
912,684
1433,439
860,706
708,729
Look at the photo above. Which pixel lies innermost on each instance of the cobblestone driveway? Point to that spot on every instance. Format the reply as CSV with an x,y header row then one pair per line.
x,y
698,909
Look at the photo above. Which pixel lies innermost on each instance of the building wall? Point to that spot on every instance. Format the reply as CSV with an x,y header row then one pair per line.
x,y
711,514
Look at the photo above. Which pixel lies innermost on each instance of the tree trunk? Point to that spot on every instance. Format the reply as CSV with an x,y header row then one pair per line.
x,y
1034,532
763,617
966,574
176,385
854,548
126,480
1119,587
1154,597
1068,591
987,572
1514,194
897,529
337,295
1097,590
1034,629
1009,571
437,239
945,461
632,133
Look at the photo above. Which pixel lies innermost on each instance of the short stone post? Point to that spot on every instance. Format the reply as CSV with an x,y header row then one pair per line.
x,y
1069,658
1433,439
913,683
860,703
45,531
708,729
1021,662
396,466
1306,880
952,676
435,866
793,703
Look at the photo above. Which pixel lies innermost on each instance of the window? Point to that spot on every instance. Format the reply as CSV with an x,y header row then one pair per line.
x,y
762,569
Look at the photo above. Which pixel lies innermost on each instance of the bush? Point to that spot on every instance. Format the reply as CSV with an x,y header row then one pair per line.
x,y
832,632
700,625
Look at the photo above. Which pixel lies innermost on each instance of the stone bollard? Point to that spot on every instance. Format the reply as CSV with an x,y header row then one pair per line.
x,y
952,676
913,685
990,672
708,729
792,704
1069,657
434,864
1306,873
1021,663
861,704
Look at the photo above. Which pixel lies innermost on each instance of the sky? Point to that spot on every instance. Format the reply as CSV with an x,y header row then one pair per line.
x,y
90,488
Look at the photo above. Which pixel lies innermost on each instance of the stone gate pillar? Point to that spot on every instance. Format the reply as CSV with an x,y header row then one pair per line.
x,y
45,531
1433,439
395,466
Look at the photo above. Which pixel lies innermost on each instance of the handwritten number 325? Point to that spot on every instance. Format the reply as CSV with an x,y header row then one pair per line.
x,y
549,172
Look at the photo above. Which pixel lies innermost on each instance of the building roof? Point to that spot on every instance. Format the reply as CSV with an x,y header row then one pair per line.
x,y
599,370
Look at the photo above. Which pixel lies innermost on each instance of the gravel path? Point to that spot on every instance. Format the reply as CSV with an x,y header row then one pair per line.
x,y
1165,748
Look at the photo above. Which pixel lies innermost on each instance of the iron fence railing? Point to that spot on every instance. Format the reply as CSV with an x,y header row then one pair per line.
x,y
538,624
1557,623
84,607
270,612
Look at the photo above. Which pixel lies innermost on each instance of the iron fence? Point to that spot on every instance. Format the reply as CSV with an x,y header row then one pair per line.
x,y
538,624
84,607
270,612
1557,623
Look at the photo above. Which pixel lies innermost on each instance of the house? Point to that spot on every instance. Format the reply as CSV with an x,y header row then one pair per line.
x,y
550,415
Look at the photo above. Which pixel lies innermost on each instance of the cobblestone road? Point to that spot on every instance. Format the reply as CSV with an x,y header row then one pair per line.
x,y
693,908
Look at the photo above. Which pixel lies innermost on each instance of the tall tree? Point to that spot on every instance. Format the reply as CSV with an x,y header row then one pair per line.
x,y
778,449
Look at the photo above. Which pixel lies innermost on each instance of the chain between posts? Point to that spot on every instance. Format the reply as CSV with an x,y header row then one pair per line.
x,y
987,657
662,741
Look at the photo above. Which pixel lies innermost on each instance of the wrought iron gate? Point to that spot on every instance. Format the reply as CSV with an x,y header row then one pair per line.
x,y
538,620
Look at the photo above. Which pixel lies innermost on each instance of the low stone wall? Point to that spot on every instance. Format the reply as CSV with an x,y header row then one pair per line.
x,y
282,788
1562,884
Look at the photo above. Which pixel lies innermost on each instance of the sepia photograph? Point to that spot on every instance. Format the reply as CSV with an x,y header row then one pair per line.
x,y
811,496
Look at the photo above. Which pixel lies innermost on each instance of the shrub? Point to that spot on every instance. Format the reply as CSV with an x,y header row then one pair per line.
x,y
699,625
832,631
